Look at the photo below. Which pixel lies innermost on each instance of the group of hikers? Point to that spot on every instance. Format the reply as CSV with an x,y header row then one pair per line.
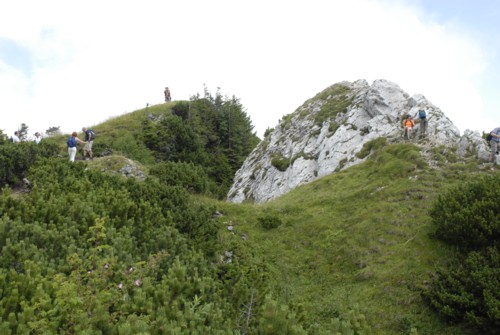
x,y
493,137
408,124
73,140
16,138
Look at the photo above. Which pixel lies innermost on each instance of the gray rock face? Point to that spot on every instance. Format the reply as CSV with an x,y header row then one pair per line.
x,y
324,134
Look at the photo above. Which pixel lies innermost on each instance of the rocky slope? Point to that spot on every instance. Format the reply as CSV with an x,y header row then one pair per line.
x,y
324,134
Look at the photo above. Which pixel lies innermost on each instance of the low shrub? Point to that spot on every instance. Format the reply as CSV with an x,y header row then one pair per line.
x,y
269,221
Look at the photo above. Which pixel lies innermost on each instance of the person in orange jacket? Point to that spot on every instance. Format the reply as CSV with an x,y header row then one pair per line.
x,y
408,125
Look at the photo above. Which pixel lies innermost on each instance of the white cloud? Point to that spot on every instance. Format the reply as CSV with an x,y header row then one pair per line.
x,y
96,59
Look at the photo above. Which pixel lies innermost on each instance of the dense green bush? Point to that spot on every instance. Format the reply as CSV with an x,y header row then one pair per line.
x,y
187,175
89,253
16,158
213,132
468,219
469,216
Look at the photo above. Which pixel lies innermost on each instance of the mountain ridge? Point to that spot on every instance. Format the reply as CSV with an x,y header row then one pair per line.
x,y
327,132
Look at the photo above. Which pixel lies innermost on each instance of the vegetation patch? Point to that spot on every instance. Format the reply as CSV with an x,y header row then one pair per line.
x,y
279,162
333,91
332,128
268,132
255,170
467,218
286,122
442,155
364,131
341,164
269,221
331,108
370,146
302,155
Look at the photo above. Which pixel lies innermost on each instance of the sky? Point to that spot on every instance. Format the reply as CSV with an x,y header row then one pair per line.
x,y
71,64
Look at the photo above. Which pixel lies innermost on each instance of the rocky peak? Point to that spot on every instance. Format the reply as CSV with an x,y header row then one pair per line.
x,y
324,135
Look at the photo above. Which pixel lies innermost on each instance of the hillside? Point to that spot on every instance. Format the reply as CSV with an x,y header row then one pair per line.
x,y
359,240
138,241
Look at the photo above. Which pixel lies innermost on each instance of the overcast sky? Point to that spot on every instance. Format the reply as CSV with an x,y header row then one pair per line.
x,y
79,63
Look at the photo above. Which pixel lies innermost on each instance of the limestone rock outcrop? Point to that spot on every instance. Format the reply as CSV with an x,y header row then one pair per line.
x,y
324,135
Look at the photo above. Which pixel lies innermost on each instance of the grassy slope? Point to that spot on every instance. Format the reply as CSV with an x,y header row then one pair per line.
x,y
355,238
360,237
119,133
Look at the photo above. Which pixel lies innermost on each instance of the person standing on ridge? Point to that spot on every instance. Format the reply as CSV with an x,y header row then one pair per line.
x,y
422,115
408,125
72,142
167,95
15,138
37,138
495,144
89,140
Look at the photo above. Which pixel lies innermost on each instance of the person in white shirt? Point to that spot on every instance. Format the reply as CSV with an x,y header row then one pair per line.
x,y
15,138
37,138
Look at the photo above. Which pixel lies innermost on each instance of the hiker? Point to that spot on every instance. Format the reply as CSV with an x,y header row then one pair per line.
x,y
15,138
422,115
495,144
167,95
408,125
72,142
89,140
37,138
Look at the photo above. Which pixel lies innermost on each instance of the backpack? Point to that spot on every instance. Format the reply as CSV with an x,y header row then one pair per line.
x,y
71,142
91,134
488,137
422,114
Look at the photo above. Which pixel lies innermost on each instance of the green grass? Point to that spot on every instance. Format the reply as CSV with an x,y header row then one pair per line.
x,y
360,237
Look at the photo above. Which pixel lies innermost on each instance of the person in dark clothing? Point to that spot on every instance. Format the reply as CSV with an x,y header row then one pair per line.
x,y
89,140
167,95
422,115
495,144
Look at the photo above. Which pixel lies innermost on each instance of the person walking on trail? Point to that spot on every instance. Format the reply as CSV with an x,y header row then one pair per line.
x,y
73,140
89,140
422,115
495,144
167,94
408,125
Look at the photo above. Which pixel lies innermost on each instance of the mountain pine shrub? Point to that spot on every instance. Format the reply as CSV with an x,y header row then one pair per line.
x,y
16,159
468,219
187,175
85,252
